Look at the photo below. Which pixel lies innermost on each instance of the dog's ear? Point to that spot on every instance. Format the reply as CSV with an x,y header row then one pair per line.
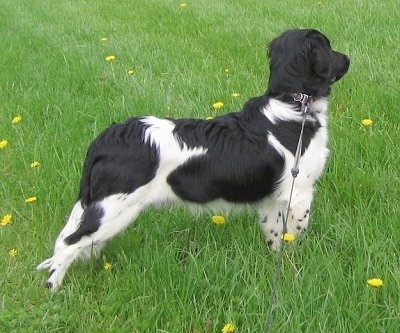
x,y
321,56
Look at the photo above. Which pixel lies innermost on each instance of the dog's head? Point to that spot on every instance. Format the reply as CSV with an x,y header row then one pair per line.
x,y
302,61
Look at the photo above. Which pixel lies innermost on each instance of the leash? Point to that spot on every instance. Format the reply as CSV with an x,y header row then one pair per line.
x,y
305,101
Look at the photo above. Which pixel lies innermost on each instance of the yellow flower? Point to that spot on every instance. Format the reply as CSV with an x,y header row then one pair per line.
x,y
131,71
16,119
218,219
288,237
226,70
13,252
6,220
104,39
367,122
35,164
235,94
183,5
110,58
107,266
31,199
209,118
218,105
228,328
375,282
3,143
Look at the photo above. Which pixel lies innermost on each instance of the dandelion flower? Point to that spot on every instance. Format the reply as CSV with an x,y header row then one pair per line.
x,y
288,237
13,252
104,39
183,5
131,71
218,105
235,94
110,58
6,220
375,282
16,119
35,164
228,328
367,122
107,266
31,199
226,70
218,219
3,143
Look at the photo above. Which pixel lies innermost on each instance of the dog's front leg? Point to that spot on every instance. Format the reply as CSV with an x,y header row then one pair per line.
x,y
271,220
299,212
273,212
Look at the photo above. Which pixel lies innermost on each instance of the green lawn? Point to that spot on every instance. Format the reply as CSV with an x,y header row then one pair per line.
x,y
172,271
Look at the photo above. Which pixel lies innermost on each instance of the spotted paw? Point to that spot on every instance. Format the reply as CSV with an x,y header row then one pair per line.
x,y
274,244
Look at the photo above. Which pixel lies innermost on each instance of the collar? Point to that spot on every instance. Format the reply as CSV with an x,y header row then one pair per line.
x,y
304,99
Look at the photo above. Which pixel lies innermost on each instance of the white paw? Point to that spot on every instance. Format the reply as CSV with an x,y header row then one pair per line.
x,y
45,264
56,277
274,244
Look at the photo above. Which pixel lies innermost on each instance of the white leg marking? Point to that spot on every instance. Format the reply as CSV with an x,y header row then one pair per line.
x,y
119,212
271,221
299,213
72,224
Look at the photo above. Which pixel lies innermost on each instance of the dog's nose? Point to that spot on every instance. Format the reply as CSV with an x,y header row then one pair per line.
x,y
347,61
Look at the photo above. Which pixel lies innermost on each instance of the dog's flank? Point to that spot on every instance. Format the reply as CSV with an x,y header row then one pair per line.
x,y
239,159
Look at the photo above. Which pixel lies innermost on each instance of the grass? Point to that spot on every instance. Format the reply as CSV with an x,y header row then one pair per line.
x,y
172,272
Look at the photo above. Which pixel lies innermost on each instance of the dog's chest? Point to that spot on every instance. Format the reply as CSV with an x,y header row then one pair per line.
x,y
312,161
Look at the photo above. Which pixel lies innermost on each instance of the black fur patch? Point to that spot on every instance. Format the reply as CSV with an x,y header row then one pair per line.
x,y
90,223
118,161
240,165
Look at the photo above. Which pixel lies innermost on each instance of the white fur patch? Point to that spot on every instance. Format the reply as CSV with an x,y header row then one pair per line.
x,y
311,164
160,134
277,110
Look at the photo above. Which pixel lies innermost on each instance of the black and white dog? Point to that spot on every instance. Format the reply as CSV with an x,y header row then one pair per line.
x,y
239,159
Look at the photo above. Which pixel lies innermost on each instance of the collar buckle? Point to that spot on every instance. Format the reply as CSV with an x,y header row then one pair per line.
x,y
304,99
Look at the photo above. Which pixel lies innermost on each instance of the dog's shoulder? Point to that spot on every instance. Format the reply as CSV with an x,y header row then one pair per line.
x,y
256,104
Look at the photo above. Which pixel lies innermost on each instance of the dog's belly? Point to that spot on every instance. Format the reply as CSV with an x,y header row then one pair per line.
x,y
202,182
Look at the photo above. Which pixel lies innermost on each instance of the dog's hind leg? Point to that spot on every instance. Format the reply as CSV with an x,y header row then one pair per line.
x,y
100,221
70,226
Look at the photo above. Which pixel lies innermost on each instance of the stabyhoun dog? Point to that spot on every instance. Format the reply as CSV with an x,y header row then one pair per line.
x,y
238,159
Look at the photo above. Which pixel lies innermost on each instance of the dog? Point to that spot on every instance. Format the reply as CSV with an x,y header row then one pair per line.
x,y
235,160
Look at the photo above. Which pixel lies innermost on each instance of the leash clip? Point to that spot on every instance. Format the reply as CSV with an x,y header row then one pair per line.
x,y
304,99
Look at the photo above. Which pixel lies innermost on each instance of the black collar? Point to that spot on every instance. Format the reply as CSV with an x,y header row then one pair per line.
x,y
303,99
298,98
